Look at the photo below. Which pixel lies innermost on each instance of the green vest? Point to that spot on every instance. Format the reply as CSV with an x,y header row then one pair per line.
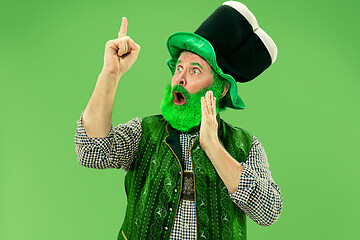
x,y
153,185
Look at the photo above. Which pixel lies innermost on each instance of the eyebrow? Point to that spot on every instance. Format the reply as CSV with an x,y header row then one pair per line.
x,y
196,64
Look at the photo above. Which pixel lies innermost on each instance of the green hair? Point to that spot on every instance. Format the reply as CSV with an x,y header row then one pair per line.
x,y
221,82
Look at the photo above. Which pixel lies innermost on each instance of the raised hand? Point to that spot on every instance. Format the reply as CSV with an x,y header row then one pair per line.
x,y
209,125
120,53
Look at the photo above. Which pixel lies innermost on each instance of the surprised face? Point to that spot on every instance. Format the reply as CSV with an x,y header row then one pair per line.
x,y
193,73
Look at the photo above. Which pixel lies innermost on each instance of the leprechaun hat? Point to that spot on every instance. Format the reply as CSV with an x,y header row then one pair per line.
x,y
232,42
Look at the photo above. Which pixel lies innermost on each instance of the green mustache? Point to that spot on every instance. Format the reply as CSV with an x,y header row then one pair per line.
x,y
180,89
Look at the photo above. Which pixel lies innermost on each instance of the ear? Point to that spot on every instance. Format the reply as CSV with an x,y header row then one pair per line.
x,y
226,88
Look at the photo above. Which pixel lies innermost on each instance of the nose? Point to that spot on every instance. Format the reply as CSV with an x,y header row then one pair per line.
x,y
180,79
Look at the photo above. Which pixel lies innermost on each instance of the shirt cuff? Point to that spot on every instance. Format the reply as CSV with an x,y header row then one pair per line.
x,y
81,138
246,185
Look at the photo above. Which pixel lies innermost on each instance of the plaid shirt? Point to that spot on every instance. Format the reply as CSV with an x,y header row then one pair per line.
x,y
257,195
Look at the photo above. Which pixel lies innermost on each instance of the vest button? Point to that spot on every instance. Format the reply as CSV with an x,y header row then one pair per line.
x,y
180,173
175,190
166,228
170,209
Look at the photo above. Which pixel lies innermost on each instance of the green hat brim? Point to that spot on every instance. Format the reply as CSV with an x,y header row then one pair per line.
x,y
180,41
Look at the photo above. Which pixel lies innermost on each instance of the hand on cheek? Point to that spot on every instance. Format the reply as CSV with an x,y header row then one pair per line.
x,y
209,125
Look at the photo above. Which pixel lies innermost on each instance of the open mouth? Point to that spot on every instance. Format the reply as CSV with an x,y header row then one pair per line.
x,y
179,98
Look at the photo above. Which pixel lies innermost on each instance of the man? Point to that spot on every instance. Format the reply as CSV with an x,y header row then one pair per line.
x,y
189,173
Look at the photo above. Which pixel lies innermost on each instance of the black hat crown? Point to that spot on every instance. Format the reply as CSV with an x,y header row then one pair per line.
x,y
242,48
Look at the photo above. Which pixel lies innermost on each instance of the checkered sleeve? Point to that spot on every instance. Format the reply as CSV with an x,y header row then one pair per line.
x,y
258,195
117,150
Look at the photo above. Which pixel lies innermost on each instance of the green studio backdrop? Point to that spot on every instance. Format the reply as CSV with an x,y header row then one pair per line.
x,y
304,110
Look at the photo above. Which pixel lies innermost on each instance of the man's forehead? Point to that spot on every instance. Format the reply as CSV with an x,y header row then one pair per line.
x,y
192,63
195,59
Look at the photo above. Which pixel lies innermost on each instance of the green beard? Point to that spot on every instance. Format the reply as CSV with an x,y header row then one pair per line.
x,y
185,117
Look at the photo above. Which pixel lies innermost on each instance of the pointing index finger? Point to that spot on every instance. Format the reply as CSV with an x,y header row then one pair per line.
x,y
123,28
